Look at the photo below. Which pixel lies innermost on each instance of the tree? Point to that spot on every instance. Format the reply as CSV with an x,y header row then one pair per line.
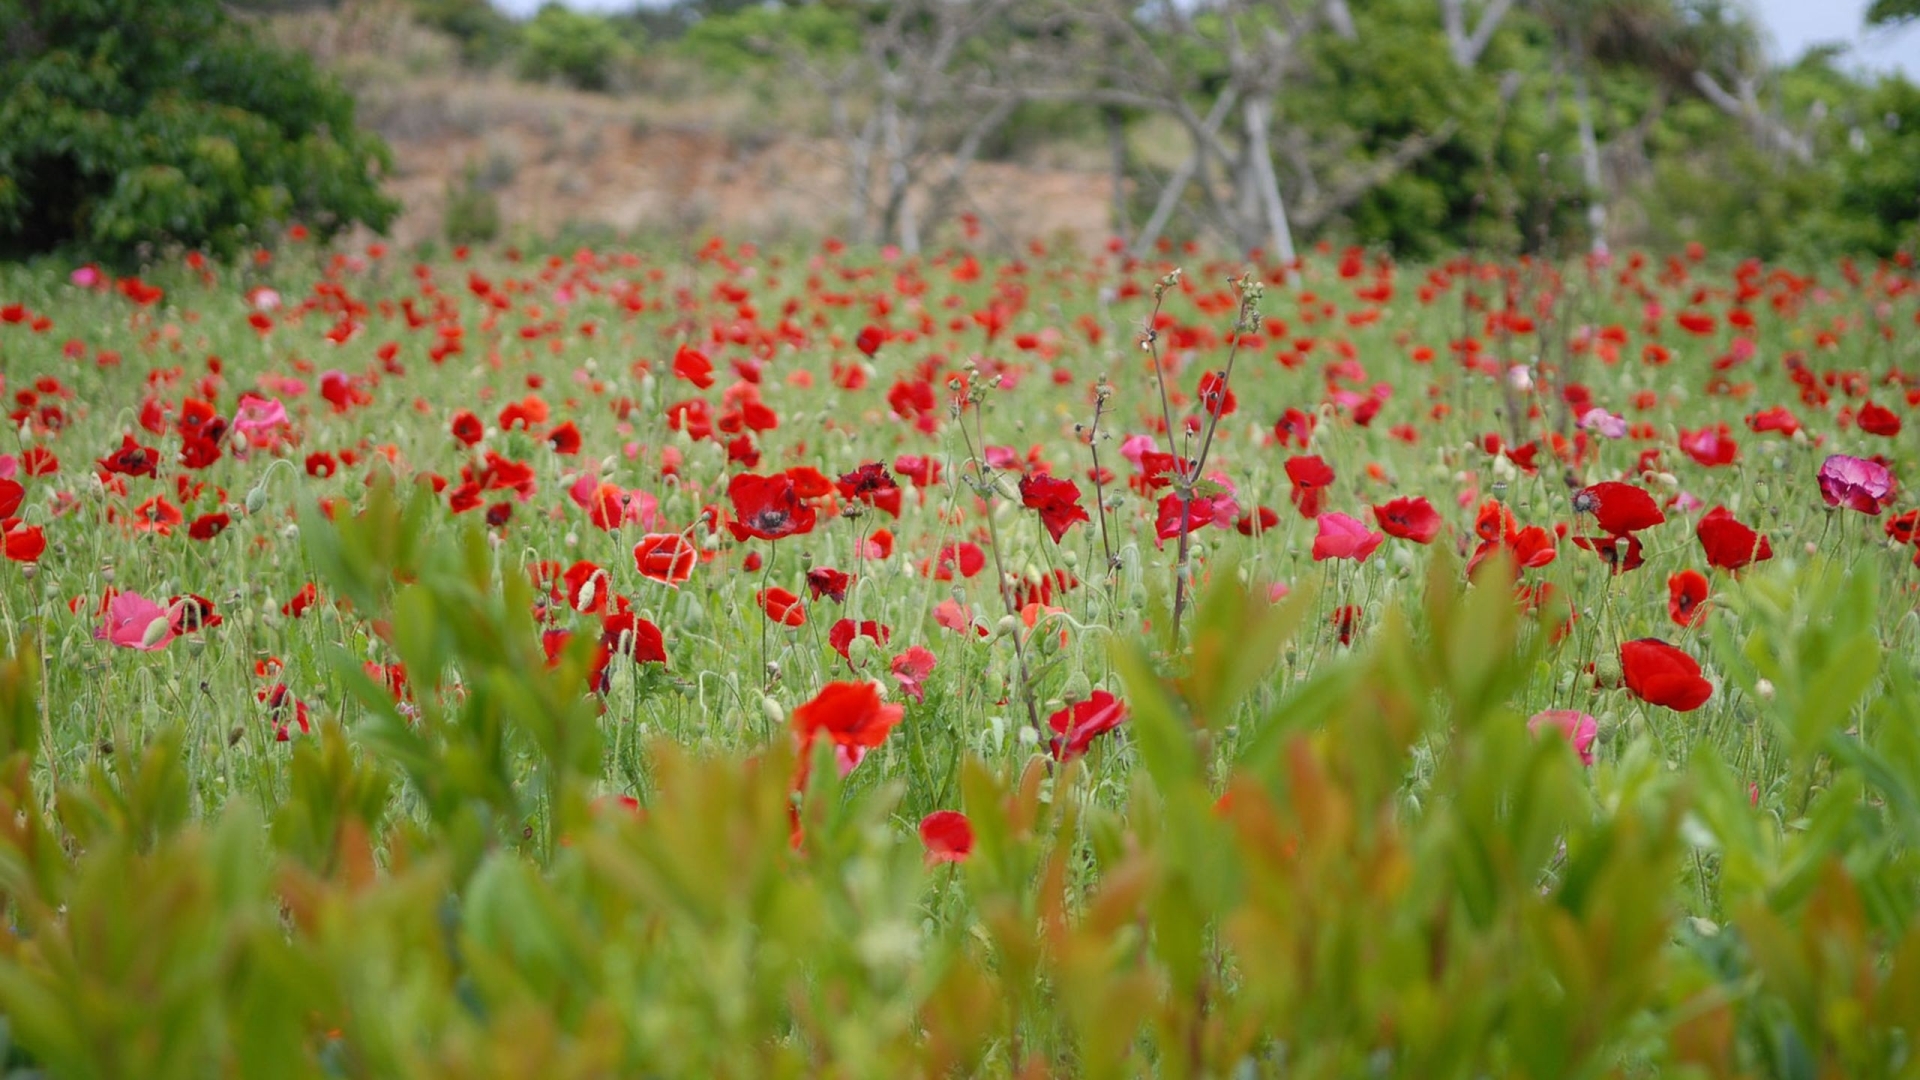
x,y
126,124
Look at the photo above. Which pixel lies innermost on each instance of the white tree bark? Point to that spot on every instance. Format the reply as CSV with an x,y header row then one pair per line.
x,y
1279,234
1465,45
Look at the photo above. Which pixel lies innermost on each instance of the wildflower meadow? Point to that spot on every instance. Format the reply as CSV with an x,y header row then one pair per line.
x,y
825,661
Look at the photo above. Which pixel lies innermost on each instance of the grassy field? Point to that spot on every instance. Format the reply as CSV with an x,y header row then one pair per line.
x,y
820,662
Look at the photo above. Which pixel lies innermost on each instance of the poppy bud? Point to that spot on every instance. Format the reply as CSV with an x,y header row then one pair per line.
x,y
1078,688
860,650
256,498
1764,689
1006,626
1071,558
239,442
156,632
1607,672
1049,644
776,714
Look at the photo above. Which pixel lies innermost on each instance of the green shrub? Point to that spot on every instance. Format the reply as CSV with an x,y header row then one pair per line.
x,y
579,49
472,212
125,125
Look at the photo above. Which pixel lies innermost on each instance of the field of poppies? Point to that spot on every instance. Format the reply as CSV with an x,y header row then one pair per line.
x,y
827,662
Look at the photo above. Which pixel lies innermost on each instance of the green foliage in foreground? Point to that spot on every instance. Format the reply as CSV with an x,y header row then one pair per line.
x,y
1397,881
126,124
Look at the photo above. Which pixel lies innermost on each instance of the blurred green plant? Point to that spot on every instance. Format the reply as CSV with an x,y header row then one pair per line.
x,y
1384,874
125,125
577,48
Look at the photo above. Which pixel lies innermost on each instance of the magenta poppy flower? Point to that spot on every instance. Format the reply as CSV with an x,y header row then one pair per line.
x,y
135,622
1344,537
258,414
1856,483
1576,727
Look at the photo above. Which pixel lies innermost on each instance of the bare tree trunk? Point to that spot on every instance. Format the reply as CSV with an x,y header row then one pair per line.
x,y
1281,236
1589,153
1184,175
1767,130
1340,18
1465,46
1117,168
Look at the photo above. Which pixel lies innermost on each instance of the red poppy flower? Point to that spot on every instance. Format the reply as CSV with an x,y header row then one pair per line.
x,y
869,339
782,606
948,836
1729,544
157,515
131,459
767,507
911,668
1409,518
1295,428
189,613
842,633
850,714
1621,552
308,595
692,365
1076,726
625,634
1259,520
1204,511
1710,446
587,587
1311,477
565,439
467,427
828,582
1687,597
965,556
1216,397
1777,419
322,465
1901,528
208,526
1057,500
873,485
23,543
665,557
1876,419
923,471
529,412
1619,508
1659,674
11,496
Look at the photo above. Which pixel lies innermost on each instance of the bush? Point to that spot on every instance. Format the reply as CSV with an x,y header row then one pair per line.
x,y
472,214
580,50
125,125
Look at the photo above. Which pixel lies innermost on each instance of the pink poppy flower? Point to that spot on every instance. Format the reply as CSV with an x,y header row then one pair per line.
x,y
1856,483
1579,729
1344,537
135,622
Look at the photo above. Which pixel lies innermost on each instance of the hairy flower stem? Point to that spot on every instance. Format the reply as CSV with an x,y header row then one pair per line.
x,y
986,484
1101,394
1188,478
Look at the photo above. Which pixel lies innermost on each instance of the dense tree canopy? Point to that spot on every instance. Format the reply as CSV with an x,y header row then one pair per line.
x,y
128,123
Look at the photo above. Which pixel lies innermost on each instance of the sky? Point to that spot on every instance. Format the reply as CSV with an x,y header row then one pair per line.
x,y
1792,24
1796,24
